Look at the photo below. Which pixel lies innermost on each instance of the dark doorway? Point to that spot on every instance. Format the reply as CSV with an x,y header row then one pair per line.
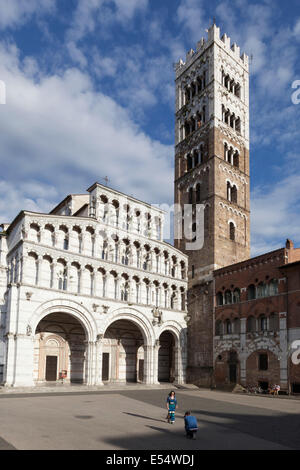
x,y
296,387
166,358
51,368
232,364
105,366
264,386
232,373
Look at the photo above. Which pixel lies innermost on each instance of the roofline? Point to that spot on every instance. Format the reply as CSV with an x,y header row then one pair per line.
x,y
65,200
123,194
231,266
289,265
43,214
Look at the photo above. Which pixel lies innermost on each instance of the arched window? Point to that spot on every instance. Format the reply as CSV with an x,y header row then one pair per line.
x,y
228,327
228,297
251,292
234,194
261,290
263,325
236,295
251,324
198,192
225,152
191,196
274,322
236,326
273,287
201,154
236,159
218,328
220,299
232,231
228,191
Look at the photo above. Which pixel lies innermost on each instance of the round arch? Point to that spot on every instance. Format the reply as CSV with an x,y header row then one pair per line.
x,y
69,307
134,316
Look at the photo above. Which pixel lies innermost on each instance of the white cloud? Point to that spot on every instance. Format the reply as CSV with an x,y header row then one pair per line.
x,y
92,13
191,15
58,131
275,214
14,12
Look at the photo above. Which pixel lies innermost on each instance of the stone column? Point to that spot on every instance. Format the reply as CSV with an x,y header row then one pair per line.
x,y
178,365
98,368
148,365
155,361
90,363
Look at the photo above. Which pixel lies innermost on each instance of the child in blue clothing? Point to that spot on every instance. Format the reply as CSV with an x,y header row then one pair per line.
x,y
171,407
191,425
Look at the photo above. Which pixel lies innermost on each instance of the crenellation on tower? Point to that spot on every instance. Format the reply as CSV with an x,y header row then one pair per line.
x,y
213,36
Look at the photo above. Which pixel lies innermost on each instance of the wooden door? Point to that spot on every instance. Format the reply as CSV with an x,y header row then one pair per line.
x,y
51,368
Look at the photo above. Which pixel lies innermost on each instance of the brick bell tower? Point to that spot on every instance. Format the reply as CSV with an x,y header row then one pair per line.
x,y
212,169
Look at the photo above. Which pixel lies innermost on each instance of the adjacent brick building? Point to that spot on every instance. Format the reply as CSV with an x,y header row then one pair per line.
x,y
257,319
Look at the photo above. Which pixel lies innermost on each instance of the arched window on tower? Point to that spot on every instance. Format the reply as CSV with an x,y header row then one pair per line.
x,y
225,152
232,231
204,114
234,194
228,191
201,154
198,192
191,196
236,159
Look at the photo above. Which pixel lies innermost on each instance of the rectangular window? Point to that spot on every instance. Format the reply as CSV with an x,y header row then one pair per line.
x,y
193,271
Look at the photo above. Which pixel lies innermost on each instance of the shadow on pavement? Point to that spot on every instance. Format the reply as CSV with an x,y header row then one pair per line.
x,y
145,417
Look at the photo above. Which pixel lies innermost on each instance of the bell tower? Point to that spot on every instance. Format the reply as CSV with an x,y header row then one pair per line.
x,y
211,170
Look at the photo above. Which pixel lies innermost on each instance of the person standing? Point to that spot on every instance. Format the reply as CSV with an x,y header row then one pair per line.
x,y
171,407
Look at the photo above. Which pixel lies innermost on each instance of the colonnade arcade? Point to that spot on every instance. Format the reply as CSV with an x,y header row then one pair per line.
x,y
63,344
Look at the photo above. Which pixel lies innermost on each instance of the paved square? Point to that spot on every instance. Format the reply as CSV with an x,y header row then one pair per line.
x,y
135,419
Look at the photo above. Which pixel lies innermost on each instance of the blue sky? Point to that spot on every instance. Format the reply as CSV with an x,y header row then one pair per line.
x,y
90,93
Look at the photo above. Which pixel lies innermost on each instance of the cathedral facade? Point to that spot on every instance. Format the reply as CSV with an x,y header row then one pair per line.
x,y
90,293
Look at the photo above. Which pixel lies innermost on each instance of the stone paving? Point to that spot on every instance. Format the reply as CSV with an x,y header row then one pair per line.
x,y
134,417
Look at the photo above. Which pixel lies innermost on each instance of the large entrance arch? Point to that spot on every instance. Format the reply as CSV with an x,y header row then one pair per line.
x,y
59,349
123,354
